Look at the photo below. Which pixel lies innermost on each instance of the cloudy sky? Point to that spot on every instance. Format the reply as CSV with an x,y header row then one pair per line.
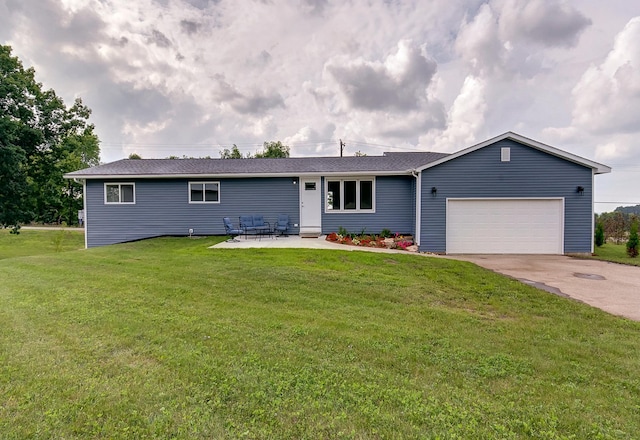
x,y
191,77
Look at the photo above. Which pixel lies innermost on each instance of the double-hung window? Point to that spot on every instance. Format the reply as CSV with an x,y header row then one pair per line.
x,y
119,193
204,192
350,195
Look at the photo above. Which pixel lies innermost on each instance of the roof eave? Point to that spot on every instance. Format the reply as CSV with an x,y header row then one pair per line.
x,y
236,175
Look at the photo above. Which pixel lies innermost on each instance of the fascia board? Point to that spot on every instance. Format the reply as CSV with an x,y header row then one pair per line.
x,y
235,175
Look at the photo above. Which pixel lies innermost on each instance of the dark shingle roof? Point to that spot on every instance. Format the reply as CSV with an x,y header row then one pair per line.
x,y
389,163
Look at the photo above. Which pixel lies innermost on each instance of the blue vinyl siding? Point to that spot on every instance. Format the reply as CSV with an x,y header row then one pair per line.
x,y
395,209
530,173
162,208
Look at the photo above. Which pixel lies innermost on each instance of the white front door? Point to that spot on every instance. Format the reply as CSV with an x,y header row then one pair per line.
x,y
310,207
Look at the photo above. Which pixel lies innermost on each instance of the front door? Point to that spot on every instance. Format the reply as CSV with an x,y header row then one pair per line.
x,y
310,207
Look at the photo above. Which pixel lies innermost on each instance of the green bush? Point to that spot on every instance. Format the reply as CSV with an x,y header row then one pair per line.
x,y
386,233
599,234
632,244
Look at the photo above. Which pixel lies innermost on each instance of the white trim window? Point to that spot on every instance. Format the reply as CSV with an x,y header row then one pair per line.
x,y
204,192
350,195
120,193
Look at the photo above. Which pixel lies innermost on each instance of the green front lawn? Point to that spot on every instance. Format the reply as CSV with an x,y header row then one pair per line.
x,y
165,338
616,253
37,242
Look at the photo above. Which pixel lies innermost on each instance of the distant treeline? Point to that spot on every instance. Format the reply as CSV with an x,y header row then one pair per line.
x,y
628,209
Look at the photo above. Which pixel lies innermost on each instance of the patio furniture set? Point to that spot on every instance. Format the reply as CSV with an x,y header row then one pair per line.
x,y
256,225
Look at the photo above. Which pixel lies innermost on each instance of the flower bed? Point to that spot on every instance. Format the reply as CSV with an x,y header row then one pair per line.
x,y
378,241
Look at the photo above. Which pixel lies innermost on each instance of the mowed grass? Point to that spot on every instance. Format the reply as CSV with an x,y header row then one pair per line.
x,y
168,339
616,253
38,242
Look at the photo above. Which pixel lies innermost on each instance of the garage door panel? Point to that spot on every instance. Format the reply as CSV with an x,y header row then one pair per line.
x,y
505,226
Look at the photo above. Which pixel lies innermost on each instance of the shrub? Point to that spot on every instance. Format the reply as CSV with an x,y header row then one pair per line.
x,y
632,244
342,231
386,233
599,234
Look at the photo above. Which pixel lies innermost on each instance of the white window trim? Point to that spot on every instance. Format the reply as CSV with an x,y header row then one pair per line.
x,y
202,183
341,210
119,184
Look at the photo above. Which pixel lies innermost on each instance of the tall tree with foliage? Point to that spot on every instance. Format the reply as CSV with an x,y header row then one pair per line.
x,y
40,140
234,153
633,244
615,224
599,235
274,150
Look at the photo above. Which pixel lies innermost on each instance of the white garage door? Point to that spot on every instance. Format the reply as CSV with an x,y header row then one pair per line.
x,y
505,226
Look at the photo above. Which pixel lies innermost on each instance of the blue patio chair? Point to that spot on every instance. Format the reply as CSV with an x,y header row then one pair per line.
x,y
260,225
230,230
282,225
246,224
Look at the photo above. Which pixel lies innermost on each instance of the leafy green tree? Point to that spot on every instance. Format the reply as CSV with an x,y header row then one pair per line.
x,y
274,150
13,186
234,153
40,140
633,244
137,156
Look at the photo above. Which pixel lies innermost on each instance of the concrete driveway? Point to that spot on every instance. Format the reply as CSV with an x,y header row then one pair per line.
x,y
614,288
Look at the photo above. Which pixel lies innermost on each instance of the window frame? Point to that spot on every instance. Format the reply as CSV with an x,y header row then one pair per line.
x,y
119,185
342,196
203,183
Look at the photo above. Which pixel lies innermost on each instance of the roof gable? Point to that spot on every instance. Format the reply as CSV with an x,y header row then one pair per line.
x,y
597,167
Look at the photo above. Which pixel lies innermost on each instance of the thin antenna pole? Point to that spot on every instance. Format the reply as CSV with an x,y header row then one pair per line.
x,y
341,147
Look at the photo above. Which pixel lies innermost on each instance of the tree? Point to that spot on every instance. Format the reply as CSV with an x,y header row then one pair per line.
x,y
13,187
234,153
633,244
40,140
599,236
274,150
136,156
616,225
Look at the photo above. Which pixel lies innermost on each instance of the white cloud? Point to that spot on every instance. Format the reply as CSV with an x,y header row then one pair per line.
x,y
391,98
465,119
479,42
506,38
607,97
611,151
399,83
544,22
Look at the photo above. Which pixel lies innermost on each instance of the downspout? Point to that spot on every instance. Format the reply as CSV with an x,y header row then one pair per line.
x,y
593,210
84,207
418,177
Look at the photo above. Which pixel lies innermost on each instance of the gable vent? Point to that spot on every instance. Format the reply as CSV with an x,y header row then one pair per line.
x,y
505,154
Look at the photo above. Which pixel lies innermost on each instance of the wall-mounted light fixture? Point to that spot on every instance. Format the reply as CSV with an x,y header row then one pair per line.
x,y
580,190
434,191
